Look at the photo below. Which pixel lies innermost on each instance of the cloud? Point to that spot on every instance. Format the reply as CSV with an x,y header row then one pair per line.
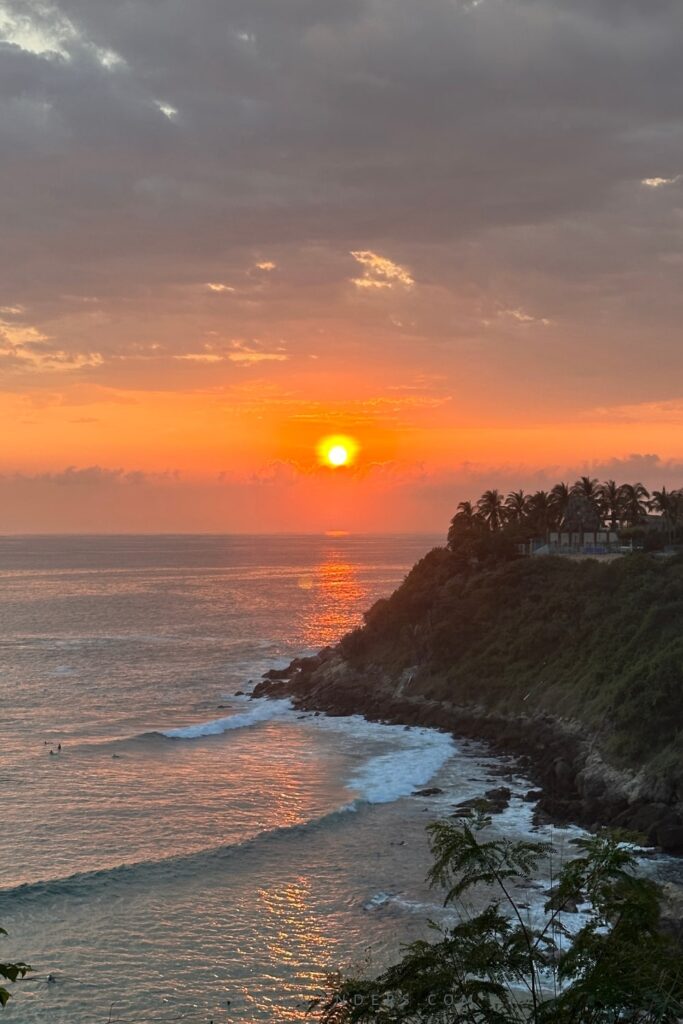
x,y
249,357
520,316
82,476
46,31
167,110
670,411
242,352
280,496
492,153
24,347
380,272
219,286
659,182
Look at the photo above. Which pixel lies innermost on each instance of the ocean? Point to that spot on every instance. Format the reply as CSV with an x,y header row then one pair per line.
x,y
186,847
192,855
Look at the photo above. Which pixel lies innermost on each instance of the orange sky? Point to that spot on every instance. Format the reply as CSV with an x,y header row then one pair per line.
x,y
274,227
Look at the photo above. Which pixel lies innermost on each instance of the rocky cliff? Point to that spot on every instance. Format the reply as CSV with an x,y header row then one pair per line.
x,y
577,667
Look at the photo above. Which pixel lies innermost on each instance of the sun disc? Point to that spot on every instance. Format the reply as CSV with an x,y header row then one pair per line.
x,y
337,451
338,455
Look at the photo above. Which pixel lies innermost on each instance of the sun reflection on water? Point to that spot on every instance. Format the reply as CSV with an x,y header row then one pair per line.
x,y
337,598
294,937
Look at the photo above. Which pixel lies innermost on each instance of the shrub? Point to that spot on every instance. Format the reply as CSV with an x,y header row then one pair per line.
x,y
496,967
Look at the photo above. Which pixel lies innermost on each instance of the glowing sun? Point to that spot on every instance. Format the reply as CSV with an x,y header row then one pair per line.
x,y
337,451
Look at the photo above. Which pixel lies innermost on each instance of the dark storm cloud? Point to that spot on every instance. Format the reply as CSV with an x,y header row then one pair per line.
x,y
497,146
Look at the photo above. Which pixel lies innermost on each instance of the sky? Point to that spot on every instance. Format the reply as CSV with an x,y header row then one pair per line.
x,y
449,229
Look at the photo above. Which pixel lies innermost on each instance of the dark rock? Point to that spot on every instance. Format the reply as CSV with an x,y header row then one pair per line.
x,y
560,810
671,921
502,793
466,808
278,673
590,785
670,838
642,817
563,774
271,688
532,796
569,906
239,693
432,791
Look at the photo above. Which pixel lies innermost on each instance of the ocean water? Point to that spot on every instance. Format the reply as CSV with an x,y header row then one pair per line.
x,y
190,854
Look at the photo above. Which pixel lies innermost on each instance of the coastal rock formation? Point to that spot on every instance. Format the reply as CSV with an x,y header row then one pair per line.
x,y
577,785
576,668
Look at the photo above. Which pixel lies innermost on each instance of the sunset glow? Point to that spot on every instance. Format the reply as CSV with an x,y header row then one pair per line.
x,y
337,451
183,319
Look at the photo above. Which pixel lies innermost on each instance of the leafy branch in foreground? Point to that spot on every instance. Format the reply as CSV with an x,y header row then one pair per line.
x,y
10,972
498,966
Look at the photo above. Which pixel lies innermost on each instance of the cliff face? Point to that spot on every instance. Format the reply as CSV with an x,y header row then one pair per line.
x,y
576,665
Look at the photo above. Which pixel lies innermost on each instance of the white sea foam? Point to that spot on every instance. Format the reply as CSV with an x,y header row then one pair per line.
x,y
388,777
417,754
261,711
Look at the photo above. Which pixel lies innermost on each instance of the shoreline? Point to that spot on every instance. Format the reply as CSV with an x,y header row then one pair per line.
x,y
576,785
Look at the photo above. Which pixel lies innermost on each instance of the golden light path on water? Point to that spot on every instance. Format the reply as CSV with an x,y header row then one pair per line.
x,y
338,589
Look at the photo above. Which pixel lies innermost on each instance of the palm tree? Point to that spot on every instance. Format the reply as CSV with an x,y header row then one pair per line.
x,y
466,514
517,506
660,501
666,504
588,487
676,512
465,520
491,507
611,497
559,496
634,501
541,511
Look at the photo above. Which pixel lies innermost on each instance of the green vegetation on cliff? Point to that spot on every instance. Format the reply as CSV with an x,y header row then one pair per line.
x,y
600,643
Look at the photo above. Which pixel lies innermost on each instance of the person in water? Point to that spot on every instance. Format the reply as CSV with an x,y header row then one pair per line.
x,y
59,746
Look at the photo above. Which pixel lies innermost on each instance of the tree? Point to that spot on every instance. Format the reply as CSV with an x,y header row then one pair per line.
x,y
634,502
668,505
491,508
517,506
611,498
467,514
542,513
559,497
501,967
10,972
581,514
589,488
465,526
